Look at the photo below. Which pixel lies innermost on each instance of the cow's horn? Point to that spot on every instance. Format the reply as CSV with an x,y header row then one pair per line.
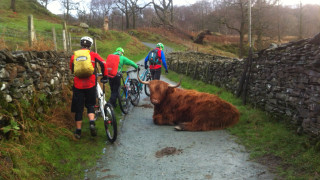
x,y
175,86
143,82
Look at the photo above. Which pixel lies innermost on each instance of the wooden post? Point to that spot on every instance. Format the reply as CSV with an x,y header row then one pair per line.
x,y
64,40
30,30
95,45
54,38
70,42
195,71
207,73
187,68
66,35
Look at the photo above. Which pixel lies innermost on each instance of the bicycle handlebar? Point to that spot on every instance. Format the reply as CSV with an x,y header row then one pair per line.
x,y
99,74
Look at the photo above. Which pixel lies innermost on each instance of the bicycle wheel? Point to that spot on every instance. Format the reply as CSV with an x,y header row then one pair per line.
x,y
123,100
134,91
146,87
110,123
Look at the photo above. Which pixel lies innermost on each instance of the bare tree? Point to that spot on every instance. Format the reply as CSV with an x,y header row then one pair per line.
x,y
262,21
45,3
13,5
235,18
68,6
99,9
164,12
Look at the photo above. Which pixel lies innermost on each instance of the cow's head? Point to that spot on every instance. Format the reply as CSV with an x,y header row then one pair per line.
x,y
159,90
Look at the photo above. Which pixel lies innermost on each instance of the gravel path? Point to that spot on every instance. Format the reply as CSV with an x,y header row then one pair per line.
x,y
144,150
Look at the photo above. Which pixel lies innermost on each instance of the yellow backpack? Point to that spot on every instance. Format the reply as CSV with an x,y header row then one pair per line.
x,y
82,64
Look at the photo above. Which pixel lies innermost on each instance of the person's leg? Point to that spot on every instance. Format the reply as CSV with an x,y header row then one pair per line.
x,y
152,71
114,86
77,107
90,101
157,74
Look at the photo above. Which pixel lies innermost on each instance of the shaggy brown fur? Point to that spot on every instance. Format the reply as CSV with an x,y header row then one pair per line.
x,y
189,109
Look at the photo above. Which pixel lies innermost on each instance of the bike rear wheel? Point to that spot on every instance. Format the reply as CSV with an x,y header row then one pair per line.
x,y
146,87
134,91
110,123
123,100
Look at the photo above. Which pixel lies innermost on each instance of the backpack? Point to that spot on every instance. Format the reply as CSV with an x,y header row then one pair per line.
x,y
153,57
112,64
82,65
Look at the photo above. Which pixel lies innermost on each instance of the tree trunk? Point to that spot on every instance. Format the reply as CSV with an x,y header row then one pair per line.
x,y
13,5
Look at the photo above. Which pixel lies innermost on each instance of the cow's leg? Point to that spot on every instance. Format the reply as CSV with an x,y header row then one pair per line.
x,y
158,119
187,126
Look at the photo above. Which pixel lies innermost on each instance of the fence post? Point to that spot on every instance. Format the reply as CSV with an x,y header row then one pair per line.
x,y
54,37
66,35
70,42
64,40
187,68
95,44
30,30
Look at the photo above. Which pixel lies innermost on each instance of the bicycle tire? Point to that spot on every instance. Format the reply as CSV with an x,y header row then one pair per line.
x,y
146,87
134,91
123,101
110,124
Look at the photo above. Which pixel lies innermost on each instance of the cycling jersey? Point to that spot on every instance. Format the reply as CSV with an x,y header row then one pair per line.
x,y
162,59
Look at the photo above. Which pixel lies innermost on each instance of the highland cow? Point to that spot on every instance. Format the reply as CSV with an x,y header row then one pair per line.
x,y
188,109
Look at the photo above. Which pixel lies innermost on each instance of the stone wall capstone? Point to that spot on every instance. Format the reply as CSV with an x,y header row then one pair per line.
x,y
284,80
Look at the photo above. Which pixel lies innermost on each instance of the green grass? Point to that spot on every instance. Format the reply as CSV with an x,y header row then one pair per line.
x,y
288,155
54,155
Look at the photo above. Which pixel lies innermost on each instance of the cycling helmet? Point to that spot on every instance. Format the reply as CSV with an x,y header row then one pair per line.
x,y
86,42
160,45
120,50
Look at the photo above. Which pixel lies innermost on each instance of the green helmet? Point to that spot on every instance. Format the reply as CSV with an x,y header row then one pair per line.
x,y
119,49
160,45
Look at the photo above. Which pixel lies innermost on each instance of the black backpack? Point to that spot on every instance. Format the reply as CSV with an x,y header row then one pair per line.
x,y
153,57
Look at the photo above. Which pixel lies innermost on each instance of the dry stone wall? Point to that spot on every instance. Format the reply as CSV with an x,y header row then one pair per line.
x,y
284,80
24,73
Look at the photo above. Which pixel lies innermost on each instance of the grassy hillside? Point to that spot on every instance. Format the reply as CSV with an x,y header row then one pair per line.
x,y
214,44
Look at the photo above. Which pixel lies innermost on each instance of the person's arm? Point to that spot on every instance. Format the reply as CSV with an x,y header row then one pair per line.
x,y
163,59
101,62
146,61
127,61
71,63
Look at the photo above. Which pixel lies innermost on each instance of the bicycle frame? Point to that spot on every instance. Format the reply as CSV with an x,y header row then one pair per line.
x,y
143,77
102,100
125,82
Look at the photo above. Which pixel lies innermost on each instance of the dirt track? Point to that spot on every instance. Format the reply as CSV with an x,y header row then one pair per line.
x,y
147,151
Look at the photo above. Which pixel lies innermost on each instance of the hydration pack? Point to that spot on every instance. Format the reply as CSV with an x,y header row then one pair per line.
x,y
82,65
153,57
112,64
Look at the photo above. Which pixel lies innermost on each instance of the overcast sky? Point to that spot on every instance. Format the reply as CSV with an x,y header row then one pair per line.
x,y
55,6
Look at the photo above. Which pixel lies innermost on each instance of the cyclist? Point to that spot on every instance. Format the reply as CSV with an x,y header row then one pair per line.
x,y
155,65
116,81
84,89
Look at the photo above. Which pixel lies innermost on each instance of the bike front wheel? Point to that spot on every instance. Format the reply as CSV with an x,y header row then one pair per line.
x,y
123,99
110,123
134,91
146,87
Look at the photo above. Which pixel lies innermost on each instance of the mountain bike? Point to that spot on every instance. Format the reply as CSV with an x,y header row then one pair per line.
x,y
144,76
128,91
105,110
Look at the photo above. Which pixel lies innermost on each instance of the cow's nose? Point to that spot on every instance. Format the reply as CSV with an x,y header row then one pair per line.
x,y
154,101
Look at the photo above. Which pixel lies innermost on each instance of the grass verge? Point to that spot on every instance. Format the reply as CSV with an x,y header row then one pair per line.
x,y
270,141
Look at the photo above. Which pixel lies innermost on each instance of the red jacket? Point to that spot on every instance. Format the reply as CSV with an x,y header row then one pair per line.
x,y
86,83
